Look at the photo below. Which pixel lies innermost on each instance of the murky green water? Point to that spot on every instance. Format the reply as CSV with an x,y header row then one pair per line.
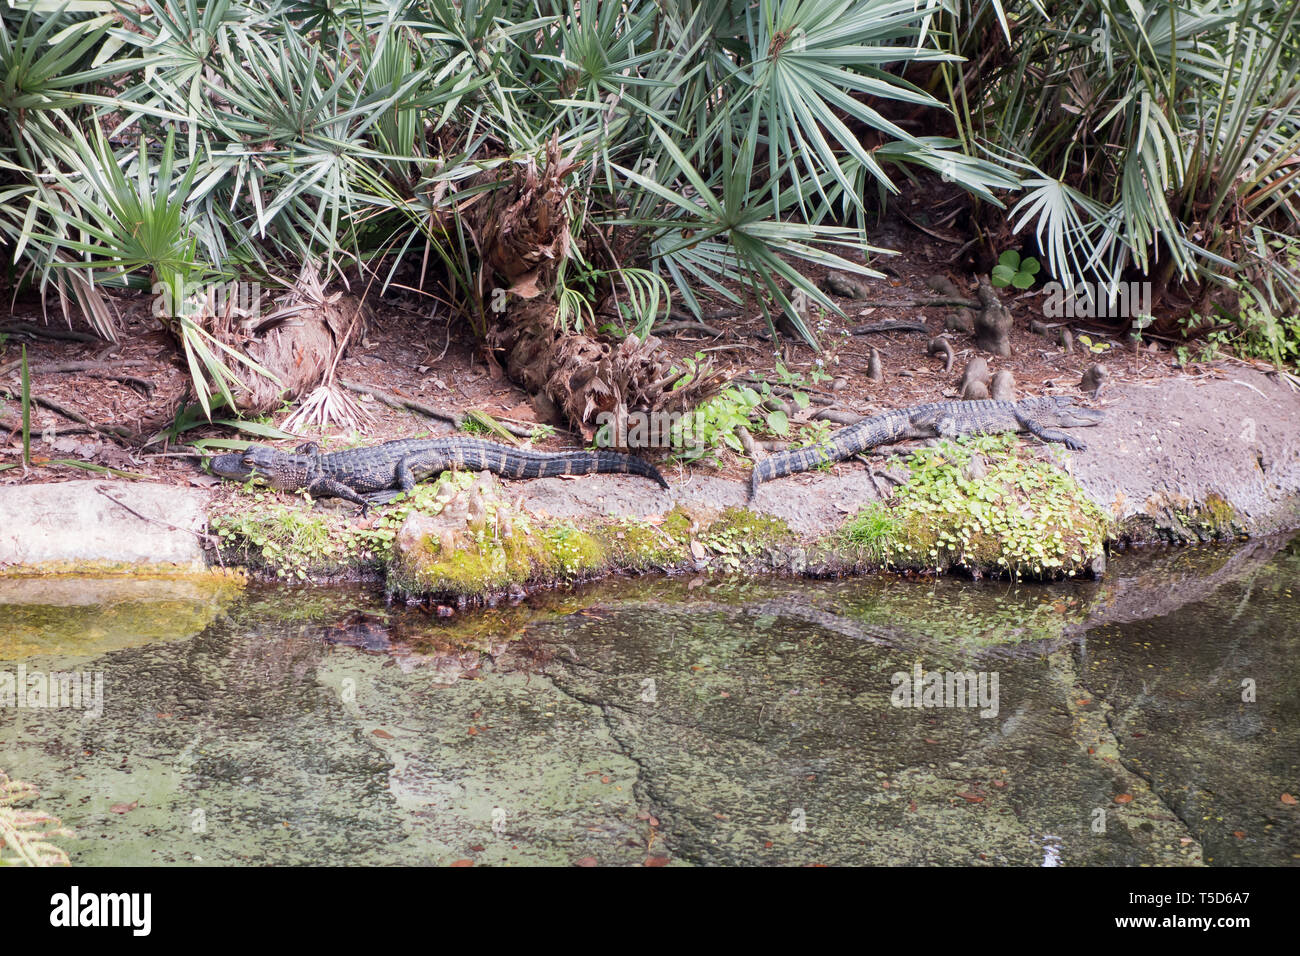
x,y
1152,718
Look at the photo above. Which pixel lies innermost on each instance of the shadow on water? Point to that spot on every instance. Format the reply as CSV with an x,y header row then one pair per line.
x,y
1150,718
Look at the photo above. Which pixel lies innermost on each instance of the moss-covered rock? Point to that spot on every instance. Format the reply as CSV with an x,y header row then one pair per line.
x,y
984,507
981,506
476,544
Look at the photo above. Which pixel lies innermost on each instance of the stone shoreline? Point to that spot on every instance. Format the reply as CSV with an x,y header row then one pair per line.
x,y
1185,459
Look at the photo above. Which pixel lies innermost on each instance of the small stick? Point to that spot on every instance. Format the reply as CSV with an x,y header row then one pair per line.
x,y
685,325
874,372
888,326
43,332
915,303
838,417
113,431
396,401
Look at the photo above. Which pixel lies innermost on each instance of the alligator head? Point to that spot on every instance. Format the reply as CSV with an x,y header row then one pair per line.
x,y
276,468
1060,411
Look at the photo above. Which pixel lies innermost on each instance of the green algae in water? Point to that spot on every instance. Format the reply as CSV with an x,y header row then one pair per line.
x,y
84,616
717,709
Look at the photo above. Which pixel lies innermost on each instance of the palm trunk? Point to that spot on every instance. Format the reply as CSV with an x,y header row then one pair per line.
x,y
523,229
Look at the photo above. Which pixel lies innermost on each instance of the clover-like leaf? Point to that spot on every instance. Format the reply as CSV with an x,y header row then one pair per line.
x,y
1010,259
1002,275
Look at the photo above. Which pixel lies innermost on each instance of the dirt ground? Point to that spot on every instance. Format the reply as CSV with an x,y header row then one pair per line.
x,y
434,361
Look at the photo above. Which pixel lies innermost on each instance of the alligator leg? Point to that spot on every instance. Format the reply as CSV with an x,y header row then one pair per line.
x,y
329,487
1050,434
414,468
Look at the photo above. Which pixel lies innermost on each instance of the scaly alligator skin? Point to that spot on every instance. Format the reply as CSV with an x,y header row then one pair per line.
x,y
1038,416
372,475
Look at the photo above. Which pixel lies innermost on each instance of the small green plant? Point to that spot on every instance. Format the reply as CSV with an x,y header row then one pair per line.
x,y
702,433
1011,270
1095,348
193,416
1017,515
877,531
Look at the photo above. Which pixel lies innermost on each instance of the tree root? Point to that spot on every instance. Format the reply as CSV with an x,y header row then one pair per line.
x,y
116,432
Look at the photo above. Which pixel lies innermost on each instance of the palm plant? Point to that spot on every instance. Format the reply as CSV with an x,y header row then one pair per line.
x,y
1158,138
676,146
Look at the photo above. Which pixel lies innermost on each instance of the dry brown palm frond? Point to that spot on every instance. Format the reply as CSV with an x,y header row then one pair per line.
x,y
21,842
524,230
328,405
300,341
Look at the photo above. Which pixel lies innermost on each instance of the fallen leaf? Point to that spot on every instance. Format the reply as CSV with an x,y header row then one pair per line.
x,y
970,797
587,861
1124,798
655,861
463,863
380,732
123,807
1288,799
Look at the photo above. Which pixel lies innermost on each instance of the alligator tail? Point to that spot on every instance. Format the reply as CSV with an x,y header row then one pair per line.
x,y
789,462
518,463
605,462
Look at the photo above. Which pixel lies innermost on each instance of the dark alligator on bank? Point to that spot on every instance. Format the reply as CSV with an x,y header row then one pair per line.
x,y
1037,416
376,474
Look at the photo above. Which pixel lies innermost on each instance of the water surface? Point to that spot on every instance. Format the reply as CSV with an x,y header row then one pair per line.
x,y
1151,718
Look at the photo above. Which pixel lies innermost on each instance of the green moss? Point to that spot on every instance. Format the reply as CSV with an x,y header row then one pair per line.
x,y
571,552
740,536
677,524
472,570
763,530
292,541
981,507
1216,518
641,545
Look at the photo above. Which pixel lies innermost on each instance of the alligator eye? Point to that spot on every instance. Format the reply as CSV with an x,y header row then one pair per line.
x,y
248,460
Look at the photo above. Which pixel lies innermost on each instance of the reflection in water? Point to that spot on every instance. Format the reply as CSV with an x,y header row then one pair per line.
x,y
1149,718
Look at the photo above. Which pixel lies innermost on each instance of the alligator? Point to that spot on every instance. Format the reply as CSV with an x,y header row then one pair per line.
x,y
379,473
1040,417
